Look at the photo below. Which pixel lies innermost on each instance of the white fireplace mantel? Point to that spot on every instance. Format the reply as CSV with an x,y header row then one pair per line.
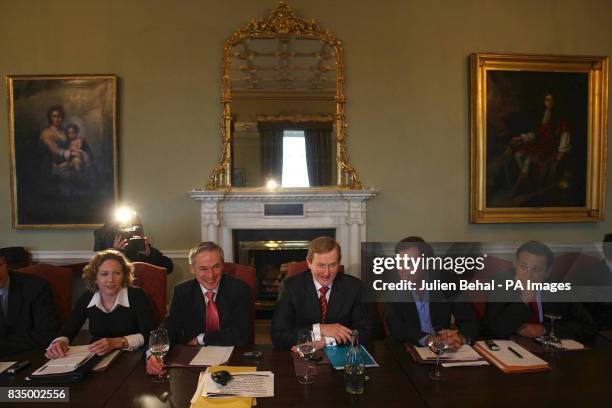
x,y
343,210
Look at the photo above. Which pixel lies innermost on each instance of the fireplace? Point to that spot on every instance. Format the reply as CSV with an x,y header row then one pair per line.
x,y
270,251
223,214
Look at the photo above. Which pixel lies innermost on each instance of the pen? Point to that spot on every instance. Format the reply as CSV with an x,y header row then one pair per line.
x,y
515,352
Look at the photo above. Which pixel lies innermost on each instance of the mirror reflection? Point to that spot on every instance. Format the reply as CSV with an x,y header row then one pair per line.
x,y
282,112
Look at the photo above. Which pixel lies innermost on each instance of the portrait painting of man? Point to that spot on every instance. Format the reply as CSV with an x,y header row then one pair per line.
x,y
538,130
63,150
537,139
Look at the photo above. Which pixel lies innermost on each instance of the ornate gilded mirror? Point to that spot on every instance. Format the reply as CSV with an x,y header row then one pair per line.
x,y
283,107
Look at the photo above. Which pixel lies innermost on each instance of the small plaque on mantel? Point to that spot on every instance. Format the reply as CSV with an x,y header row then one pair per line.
x,y
283,209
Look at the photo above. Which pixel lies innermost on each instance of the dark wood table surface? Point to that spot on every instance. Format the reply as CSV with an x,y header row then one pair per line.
x,y
388,385
579,378
95,391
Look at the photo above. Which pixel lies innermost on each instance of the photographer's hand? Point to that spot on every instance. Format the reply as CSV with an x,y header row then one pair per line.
x,y
119,242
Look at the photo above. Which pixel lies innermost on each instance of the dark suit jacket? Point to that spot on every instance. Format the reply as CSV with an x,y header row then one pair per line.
x,y
31,321
405,326
298,308
598,276
503,319
187,316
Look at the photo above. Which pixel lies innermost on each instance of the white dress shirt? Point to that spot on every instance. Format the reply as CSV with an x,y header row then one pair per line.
x,y
316,328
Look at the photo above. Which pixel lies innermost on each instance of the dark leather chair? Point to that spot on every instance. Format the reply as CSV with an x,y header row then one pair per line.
x,y
246,274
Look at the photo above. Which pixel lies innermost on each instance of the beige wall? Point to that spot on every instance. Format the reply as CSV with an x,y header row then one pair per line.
x,y
407,88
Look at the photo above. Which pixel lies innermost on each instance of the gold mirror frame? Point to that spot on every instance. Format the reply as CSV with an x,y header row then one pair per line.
x,y
283,23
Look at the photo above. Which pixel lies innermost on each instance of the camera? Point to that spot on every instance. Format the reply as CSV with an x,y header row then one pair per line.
x,y
134,236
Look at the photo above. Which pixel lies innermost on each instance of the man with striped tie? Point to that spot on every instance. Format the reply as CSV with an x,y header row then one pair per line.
x,y
328,302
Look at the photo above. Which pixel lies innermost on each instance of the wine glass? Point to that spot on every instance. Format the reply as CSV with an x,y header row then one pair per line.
x,y
551,341
159,344
438,344
306,349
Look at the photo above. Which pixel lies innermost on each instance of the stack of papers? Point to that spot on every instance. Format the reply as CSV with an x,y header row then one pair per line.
x,y
211,355
465,356
337,354
511,357
199,401
255,384
75,357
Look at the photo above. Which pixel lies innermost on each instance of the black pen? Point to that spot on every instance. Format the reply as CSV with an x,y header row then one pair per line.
x,y
515,352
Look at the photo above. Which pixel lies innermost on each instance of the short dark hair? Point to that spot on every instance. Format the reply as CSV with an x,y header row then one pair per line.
x,y
537,248
205,246
414,242
54,108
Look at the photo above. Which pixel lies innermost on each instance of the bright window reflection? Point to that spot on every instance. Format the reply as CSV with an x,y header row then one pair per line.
x,y
295,171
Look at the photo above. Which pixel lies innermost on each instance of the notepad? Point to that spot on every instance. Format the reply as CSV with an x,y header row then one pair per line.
x,y
337,355
511,357
211,355
106,361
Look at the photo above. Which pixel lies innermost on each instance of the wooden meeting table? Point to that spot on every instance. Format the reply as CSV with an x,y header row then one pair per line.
x,y
577,378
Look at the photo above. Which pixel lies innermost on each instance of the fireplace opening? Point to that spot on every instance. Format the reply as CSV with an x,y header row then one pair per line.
x,y
270,252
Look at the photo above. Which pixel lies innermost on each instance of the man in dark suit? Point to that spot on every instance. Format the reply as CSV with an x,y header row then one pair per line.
x,y
524,312
27,313
323,300
425,312
212,309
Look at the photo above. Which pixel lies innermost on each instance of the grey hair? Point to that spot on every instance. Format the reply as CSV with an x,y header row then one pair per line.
x,y
205,246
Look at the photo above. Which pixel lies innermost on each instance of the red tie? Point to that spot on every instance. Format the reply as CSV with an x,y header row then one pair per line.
x,y
323,303
212,314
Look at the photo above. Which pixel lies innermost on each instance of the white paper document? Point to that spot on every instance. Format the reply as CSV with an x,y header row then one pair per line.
x,y
567,344
511,354
243,384
5,365
465,353
466,363
212,355
74,358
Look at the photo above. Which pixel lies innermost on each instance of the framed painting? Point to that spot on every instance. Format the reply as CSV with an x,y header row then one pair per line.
x,y
63,148
538,138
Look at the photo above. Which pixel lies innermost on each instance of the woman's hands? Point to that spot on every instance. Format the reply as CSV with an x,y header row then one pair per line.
x,y
57,349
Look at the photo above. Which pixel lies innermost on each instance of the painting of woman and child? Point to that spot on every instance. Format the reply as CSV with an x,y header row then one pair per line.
x,y
63,141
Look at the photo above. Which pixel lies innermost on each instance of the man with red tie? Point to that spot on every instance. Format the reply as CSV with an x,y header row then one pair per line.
x,y
212,309
321,299
525,313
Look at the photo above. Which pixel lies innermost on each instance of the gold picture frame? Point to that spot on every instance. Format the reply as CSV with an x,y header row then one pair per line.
x,y
63,150
538,138
283,22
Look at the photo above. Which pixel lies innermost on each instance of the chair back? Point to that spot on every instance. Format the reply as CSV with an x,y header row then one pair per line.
x,y
60,279
246,274
152,279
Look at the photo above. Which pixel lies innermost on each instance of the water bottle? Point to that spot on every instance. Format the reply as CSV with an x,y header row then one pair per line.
x,y
354,367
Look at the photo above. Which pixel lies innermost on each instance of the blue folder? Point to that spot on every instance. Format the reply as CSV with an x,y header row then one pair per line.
x,y
336,355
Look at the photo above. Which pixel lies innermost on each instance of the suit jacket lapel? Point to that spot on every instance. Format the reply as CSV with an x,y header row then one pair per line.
x,y
312,308
222,302
334,306
198,305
